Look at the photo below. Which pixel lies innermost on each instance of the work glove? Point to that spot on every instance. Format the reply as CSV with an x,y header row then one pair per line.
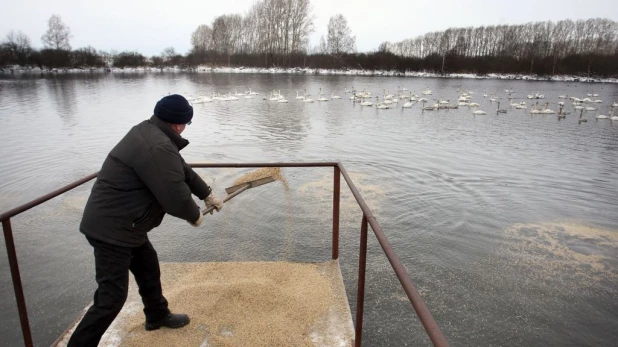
x,y
211,200
198,221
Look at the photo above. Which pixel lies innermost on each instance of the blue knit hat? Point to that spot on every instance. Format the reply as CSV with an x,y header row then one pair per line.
x,y
174,109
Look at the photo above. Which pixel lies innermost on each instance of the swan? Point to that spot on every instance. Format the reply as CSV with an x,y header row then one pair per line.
x,y
535,110
237,93
563,96
601,116
407,104
427,92
612,117
322,99
230,97
333,96
366,103
479,112
546,110
306,99
474,104
598,101
462,103
590,108
615,104
248,96
282,100
382,106
252,93
299,97
499,110
581,117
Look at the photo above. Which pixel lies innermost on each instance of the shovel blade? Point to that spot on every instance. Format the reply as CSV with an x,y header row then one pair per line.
x,y
252,184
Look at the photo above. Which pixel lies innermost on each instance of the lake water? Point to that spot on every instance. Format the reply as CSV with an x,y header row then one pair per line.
x,y
506,223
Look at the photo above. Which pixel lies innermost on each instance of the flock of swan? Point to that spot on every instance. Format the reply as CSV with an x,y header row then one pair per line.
x,y
407,99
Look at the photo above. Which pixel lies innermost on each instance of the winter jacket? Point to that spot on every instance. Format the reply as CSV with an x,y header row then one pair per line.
x,y
143,178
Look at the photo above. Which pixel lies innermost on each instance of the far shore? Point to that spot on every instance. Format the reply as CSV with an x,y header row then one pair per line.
x,y
310,71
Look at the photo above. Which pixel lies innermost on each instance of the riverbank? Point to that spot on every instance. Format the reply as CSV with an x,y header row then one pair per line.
x,y
310,71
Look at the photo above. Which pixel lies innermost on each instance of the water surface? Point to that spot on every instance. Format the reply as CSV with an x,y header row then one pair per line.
x,y
506,223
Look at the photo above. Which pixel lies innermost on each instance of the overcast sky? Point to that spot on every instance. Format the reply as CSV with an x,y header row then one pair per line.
x,y
149,26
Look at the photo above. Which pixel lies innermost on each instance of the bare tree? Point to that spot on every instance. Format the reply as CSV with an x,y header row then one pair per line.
x,y
340,39
18,44
168,54
57,35
201,39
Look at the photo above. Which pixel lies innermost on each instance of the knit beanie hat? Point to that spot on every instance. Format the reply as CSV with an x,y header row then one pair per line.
x,y
174,109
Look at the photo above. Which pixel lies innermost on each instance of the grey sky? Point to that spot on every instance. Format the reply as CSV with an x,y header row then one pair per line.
x,y
149,26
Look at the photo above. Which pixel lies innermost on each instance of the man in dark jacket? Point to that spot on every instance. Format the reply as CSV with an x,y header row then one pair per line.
x,y
143,178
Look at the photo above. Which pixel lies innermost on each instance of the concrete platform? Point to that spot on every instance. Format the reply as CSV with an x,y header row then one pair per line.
x,y
242,304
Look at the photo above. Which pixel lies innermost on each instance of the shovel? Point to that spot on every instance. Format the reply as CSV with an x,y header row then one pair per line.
x,y
237,189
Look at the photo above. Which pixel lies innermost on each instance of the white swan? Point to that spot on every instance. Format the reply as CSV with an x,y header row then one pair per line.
x,y
333,96
366,103
407,104
252,93
615,104
535,110
612,117
299,97
479,112
601,116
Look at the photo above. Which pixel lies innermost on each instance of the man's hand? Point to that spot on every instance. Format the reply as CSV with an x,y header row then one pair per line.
x,y
211,200
198,221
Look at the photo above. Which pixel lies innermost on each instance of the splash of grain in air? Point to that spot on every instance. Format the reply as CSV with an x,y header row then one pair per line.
x,y
274,172
277,174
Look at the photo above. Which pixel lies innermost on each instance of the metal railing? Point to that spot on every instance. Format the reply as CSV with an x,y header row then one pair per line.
x,y
427,320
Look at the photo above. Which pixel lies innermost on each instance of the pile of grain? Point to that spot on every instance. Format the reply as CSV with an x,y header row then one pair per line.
x,y
240,304
274,172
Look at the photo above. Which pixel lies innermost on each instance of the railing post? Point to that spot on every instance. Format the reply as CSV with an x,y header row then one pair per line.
x,y
360,296
19,292
336,199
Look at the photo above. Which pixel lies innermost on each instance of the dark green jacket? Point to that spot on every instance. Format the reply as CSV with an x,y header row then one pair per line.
x,y
143,178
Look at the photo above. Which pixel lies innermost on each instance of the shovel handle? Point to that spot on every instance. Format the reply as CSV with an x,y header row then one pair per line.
x,y
227,198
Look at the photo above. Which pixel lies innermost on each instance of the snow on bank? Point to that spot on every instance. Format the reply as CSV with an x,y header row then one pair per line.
x,y
322,72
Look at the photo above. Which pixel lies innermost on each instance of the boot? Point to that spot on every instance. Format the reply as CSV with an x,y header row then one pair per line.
x,y
172,321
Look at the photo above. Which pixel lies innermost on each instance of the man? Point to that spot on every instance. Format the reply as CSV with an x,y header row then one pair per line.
x,y
143,178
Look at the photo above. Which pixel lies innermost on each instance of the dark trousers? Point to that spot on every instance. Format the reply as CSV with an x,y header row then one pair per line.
x,y
112,264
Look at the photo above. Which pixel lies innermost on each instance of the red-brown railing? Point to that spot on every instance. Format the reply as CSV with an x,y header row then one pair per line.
x,y
430,325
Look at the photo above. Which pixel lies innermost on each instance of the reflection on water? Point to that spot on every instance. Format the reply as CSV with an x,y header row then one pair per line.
x,y
470,203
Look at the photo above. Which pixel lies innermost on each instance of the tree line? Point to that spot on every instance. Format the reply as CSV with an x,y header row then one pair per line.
x,y
275,33
566,46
